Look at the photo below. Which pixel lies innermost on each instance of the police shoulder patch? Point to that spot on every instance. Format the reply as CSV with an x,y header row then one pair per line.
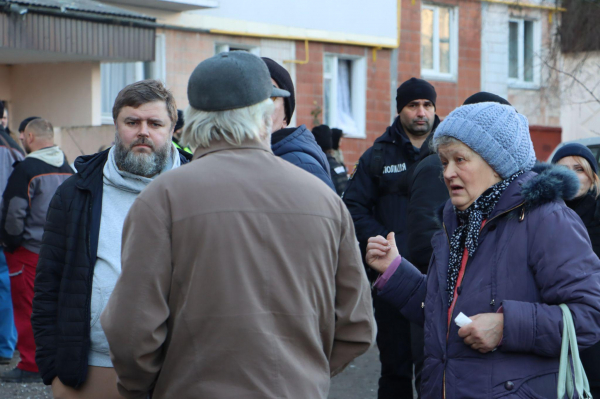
x,y
354,170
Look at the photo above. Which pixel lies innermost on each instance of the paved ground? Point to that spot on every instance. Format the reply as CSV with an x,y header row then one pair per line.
x,y
358,381
22,391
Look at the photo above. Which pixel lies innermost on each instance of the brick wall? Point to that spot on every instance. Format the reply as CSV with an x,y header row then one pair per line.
x,y
185,50
449,94
309,92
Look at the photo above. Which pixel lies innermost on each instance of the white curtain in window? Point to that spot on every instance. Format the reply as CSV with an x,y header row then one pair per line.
x,y
345,120
114,77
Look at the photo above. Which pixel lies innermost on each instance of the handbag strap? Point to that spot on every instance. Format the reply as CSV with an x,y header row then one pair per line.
x,y
571,376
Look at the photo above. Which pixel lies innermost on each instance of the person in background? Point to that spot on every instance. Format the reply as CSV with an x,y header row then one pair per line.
x,y
339,177
24,124
336,138
25,204
378,202
10,153
273,299
76,276
586,204
294,144
5,121
509,253
177,132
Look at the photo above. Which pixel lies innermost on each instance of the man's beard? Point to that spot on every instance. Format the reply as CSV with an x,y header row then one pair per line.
x,y
141,164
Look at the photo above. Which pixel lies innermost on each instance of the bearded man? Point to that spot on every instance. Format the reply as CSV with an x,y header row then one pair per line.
x,y
80,257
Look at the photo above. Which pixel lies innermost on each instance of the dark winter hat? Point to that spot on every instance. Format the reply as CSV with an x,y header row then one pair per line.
x,y
485,97
578,150
280,75
25,122
322,134
336,135
180,121
231,80
414,89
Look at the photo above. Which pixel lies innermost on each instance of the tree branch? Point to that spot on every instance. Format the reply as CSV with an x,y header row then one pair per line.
x,y
591,93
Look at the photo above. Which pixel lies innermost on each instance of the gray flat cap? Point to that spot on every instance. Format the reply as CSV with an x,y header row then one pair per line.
x,y
231,80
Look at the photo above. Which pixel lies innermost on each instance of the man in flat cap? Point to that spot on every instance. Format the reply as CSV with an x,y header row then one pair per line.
x,y
241,276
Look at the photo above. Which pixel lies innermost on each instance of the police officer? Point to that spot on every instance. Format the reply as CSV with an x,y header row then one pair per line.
x,y
377,198
337,171
178,129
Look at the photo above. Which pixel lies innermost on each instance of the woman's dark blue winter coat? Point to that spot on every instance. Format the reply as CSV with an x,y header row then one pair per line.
x,y
298,146
534,253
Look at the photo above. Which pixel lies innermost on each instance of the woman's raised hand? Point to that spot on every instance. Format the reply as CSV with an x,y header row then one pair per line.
x,y
381,252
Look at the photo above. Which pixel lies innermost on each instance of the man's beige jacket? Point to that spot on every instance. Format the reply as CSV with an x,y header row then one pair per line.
x,y
241,278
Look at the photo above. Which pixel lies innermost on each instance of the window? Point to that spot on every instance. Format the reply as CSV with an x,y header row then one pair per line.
x,y
221,48
522,46
439,42
116,75
345,92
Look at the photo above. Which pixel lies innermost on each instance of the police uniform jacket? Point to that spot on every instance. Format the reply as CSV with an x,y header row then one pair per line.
x,y
377,196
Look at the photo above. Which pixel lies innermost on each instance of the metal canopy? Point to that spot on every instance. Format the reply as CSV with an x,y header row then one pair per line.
x,y
79,30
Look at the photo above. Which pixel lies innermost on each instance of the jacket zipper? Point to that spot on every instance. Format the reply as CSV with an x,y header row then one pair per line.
x,y
466,266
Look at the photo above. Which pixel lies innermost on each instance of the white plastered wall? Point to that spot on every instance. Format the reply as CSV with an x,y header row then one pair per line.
x,y
580,112
494,48
64,93
540,102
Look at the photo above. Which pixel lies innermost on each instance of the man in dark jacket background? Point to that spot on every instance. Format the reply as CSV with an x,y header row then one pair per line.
x,y
80,259
294,144
25,203
324,137
377,199
10,152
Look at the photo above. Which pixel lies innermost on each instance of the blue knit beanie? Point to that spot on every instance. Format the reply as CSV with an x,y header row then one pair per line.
x,y
496,132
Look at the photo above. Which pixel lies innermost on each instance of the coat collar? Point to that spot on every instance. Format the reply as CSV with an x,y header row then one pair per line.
x,y
531,190
223,145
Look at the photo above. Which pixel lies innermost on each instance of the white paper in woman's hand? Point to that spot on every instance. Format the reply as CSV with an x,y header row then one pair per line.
x,y
461,320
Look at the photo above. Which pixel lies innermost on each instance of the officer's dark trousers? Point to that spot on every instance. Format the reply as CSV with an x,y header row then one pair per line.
x,y
397,352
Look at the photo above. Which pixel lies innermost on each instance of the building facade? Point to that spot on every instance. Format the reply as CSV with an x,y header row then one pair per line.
x,y
346,61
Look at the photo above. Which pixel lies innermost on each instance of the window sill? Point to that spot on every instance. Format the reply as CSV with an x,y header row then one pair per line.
x,y
355,136
441,77
106,120
519,84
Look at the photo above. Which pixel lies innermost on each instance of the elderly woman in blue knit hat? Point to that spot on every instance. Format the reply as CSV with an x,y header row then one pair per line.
x,y
509,251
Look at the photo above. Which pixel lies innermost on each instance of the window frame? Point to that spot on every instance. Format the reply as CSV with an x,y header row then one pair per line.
x,y
358,84
520,82
435,74
158,68
222,47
